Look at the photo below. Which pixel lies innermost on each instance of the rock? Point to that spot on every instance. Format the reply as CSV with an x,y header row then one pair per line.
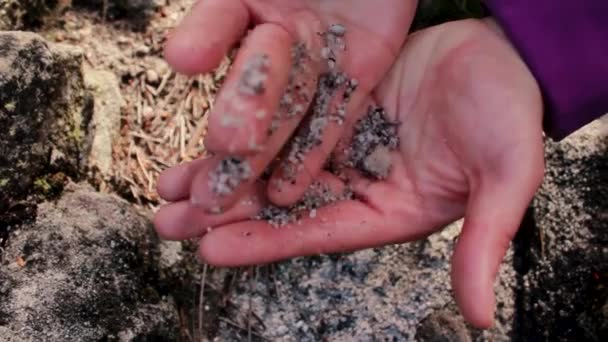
x,y
443,326
44,113
85,270
152,76
20,14
561,254
105,124
383,294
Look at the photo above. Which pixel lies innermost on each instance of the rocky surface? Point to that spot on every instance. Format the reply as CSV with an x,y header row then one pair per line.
x,y
44,112
105,123
562,250
396,293
85,270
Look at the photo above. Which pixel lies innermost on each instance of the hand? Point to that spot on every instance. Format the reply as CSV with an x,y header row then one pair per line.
x,y
471,146
239,123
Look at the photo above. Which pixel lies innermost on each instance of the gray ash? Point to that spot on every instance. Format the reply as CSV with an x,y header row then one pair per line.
x,y
228,175
317,196
311,134
255,74
328,85
334,44
375,136
337,30
295,97
295,94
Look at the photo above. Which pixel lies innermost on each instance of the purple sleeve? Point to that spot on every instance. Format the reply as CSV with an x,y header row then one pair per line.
x,y
565,45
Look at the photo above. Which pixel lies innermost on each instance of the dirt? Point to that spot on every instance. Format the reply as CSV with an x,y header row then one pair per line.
x,y
310,135
374,138
228,175
317,196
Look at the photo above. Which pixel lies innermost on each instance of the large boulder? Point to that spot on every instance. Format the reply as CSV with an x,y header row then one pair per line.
x,y
87,269
44,112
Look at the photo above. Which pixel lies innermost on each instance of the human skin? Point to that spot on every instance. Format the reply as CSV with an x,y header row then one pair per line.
x,y
375,33
470,116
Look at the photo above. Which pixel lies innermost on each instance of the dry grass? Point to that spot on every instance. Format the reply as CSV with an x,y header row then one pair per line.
x,y
163,126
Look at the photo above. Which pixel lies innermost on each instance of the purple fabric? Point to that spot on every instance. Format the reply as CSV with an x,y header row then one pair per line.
x,y
565,45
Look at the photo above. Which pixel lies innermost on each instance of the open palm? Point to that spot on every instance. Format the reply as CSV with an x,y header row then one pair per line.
x,y
471,146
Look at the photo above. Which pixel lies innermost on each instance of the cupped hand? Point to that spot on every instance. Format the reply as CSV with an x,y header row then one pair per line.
x,y
470,115
282,49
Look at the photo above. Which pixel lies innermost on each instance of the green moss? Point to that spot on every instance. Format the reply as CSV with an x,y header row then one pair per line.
x,y
50,185
76,133
3,182
42,186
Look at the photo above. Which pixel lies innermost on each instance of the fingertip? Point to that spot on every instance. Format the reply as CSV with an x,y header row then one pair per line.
x,y
472,282
164,222
172,185
190,57
206,35
218,249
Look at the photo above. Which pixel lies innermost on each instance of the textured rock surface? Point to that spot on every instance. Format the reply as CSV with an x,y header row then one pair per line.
x,y
385,294
43,111
105,123
85,270
562,251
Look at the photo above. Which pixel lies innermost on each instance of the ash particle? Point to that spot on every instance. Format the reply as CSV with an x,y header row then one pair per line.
x,y
255,74
375,136
228,175
317,196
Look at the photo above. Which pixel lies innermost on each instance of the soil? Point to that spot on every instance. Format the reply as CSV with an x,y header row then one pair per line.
x,y
372,142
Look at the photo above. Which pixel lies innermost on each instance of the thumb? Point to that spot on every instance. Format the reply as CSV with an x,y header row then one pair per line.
x,y
495,209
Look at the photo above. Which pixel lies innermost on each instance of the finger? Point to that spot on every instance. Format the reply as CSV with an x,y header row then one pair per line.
x,y
495,210
302,85
181,220
342,226
206,34
339,97
243,112
307,153
174,183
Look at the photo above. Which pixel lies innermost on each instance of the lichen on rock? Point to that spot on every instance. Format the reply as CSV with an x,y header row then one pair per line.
x,y
44,113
